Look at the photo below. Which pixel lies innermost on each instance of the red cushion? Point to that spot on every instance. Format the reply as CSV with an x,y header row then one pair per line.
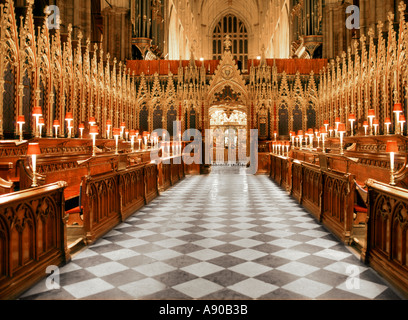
x,y
360,209
75,210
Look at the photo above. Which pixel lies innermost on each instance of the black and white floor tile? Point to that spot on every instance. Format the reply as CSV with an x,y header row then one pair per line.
x,y
223,236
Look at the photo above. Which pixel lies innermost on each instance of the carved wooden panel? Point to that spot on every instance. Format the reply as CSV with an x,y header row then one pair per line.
x,y
338,203
132,190
297,176
312,189
101,204
151,182
32,237
387,249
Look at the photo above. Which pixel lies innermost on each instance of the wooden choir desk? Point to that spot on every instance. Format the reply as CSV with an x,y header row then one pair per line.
x,y
351,195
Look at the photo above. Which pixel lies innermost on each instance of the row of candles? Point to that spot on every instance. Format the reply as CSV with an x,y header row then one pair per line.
x,y
371,127
117,133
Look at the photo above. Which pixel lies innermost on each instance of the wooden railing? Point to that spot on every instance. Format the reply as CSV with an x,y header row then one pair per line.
x,y
32,237
312,189
101,204
387,236
338,203
132,190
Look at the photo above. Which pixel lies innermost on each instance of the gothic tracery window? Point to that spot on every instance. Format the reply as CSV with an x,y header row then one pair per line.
x,y
236,29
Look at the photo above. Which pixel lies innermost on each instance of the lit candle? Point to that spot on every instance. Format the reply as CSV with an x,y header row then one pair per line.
x,y
94,131
33,150
116,134
352,119
132,135
342,131
21,122
402,121
365,125
310,134
37,113
387,123
326,124
376,124
69,118
81,128
108,128
371,116
122,128
397,110
41,123
56,126
330,131
300,135
337,122
392,148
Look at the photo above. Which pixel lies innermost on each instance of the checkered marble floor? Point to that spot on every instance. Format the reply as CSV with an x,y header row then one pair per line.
x,y
227,235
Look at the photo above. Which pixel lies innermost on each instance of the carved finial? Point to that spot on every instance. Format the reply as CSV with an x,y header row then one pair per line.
x,y
390,17
227,42
401,8
371,33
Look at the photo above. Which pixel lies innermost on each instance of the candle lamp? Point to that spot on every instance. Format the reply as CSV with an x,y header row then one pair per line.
x,y
108,128
310,134
330,131
56,126
397,110
323,132
33,150
342,131
41,124
122,129
116,134
300,135
392,149
275,133
37,113
376,125
127,134
387,123
371,116
69,118
337,122
293,136
326,124
352,119
81,128
21,122
318,136
365,125
132,134
92,121
94,131
402,121
287,145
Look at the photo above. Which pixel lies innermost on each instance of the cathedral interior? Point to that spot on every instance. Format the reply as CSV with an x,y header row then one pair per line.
x,y
204,149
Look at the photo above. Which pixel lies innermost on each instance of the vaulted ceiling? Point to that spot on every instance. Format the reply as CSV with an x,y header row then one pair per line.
x,y
209,12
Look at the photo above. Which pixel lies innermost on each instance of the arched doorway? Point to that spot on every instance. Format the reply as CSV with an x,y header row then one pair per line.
x,y
229,126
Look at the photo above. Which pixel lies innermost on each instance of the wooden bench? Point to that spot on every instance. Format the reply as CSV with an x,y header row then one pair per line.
x,y
32,237
387,235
